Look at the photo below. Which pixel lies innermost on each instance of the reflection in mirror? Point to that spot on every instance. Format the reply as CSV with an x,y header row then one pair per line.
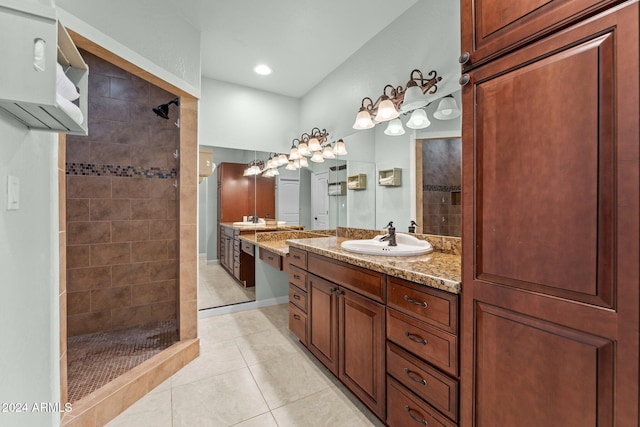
x,y
361,195
225,197
439,174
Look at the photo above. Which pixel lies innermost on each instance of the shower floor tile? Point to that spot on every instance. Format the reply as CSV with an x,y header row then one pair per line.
x,y
96,359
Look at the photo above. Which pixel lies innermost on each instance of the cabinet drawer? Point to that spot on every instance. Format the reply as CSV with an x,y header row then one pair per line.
x,y
435,307
428,383
298,297
247,247
298,323
298,277
404,409
271,258
298,257
366,282
433,345
236,245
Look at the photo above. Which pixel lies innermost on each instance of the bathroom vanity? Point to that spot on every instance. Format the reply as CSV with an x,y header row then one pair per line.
x,y
386,327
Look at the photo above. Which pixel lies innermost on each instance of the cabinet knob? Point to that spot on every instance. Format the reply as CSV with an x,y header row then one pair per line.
x,y
464,58
464,79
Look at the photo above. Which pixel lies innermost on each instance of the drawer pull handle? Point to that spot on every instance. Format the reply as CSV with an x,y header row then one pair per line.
x,y
295,316
270,258
414,377
296,256
296,276
296,296
414,302
414,418
416,340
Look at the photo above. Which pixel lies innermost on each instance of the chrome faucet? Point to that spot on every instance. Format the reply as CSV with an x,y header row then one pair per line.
x,y
391,237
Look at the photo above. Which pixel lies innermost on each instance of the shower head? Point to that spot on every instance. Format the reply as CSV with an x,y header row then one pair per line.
x,y
162,110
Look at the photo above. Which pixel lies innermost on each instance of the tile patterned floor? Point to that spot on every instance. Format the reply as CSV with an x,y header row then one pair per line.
x,y
96,359
217,288
250,373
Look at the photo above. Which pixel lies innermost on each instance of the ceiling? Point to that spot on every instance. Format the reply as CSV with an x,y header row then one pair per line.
x,y
301,40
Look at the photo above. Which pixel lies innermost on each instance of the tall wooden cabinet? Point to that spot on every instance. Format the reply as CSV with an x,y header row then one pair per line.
x,y
551,232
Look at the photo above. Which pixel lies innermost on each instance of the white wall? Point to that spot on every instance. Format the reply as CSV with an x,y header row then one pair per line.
x,y
148,33
236,116
29,266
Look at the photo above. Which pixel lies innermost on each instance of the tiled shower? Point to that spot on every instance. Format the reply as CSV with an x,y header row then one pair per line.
x,y
122,239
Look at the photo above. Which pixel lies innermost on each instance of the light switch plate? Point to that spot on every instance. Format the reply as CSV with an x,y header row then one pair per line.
x,y
13,193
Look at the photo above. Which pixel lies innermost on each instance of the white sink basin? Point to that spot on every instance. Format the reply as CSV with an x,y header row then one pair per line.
x,y
407,246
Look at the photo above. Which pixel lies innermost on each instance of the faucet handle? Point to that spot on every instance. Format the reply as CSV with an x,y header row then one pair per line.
x,y
390,225
413,223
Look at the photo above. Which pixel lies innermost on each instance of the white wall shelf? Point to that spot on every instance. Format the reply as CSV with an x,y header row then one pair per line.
x,y
27,91
390,177
357,182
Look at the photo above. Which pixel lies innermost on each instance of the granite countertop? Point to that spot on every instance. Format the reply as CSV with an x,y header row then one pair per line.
x,y
277,241
262,227
437,270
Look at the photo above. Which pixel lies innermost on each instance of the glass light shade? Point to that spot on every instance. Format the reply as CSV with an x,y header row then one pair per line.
x,y
269,164
386,111
290,166
282,159
328,153
363,120
256,170
294,154
314,144
394,128
274,172
418,119
447,109
303,150
317,157
297,163
266,173
303,163
246,171
413,98
340,149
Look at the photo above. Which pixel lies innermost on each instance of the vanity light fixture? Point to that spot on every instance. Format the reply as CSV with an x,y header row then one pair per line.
x,y
392,101
302,163
418,119
394,128
327,152
308,143
447,109
317,157
340,149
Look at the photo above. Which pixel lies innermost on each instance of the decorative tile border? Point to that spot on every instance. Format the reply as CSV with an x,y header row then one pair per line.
x,y
88,169
447,188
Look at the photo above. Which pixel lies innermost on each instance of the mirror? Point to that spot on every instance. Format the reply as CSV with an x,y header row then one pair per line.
x,y
439,175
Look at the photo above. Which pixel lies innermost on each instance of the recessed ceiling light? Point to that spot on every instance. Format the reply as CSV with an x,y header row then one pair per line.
x,y
262,69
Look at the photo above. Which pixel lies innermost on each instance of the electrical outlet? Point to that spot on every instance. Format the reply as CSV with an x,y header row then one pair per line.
x,y
13,193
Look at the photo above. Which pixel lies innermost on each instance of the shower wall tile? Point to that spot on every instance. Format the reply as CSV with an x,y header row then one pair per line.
x,y
153,250
127,231
149,209
129,188
89,232
188,275
162,270
111,253
162,229
105,153
130,316
130,274
106,299
78,151
87,187
78,302
187,246
88,323
188,204
163,189
129,89
83,279
121,204
154,292
110,209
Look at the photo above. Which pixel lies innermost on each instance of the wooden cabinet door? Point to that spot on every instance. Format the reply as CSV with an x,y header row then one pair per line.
x,y
323,321
362,349
491,27
551,225
233,194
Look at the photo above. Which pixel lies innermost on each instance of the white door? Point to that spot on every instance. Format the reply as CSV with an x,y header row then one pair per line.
x,y
289,201
320,200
